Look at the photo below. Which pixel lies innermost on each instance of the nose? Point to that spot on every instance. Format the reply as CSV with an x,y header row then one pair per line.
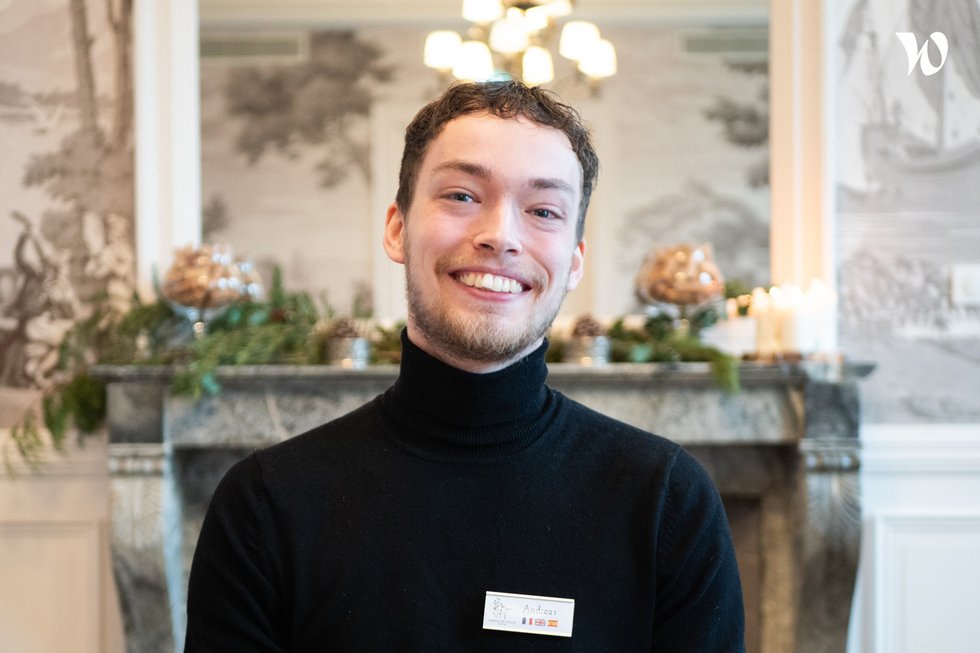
x,y
498,229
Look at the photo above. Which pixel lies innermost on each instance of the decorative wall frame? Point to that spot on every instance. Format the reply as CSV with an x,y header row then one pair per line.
x,y
167,118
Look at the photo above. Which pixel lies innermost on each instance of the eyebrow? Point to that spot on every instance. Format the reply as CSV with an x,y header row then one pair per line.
x,y
482,172
552,183
472,169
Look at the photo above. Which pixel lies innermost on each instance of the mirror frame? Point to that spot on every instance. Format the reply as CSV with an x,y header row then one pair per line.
x,y
167,107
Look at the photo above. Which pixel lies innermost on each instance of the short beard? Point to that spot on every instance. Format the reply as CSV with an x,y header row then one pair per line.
x,y
481,338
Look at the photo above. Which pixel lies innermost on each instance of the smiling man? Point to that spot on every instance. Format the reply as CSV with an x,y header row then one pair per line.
x,y
489,237
471,507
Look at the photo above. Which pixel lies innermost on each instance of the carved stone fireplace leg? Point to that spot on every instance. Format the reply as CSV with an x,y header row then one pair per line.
x,y
137,491
142,504
832,532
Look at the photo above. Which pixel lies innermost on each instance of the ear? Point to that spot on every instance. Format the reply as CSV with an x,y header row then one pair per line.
x,y
394,238
577,271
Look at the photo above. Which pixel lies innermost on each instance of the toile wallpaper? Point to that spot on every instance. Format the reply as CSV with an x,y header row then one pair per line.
x,y
288,171
66,175
909,206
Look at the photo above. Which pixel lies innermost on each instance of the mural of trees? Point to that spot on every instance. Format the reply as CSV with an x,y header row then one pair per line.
x,y
747,124
311,104
79,250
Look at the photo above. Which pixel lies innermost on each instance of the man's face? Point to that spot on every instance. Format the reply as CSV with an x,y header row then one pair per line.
x,y
489,244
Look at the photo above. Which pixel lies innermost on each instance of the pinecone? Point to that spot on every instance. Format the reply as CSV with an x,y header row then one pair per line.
x,y
586,325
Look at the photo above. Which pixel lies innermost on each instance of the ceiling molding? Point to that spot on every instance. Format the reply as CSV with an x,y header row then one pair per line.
x,y
292,13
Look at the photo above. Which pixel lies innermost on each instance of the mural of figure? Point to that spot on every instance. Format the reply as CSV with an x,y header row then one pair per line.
x,y
67,115
41,312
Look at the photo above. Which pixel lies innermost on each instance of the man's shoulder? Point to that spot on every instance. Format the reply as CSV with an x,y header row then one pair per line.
x,y
582,416
617,436
285,474
343,434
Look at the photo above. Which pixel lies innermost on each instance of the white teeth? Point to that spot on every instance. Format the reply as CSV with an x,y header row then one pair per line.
x,y
491,282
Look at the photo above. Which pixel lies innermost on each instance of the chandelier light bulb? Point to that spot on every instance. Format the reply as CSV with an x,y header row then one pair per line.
x,y
482,11
538,67
556,8
501,36
474,63
599,61
441,49
536,19
577,38
507,35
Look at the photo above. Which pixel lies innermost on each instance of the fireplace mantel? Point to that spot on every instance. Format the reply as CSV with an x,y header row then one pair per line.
x,y
783,452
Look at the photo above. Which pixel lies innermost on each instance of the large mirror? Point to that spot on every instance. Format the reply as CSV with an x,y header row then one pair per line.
x,y
303,107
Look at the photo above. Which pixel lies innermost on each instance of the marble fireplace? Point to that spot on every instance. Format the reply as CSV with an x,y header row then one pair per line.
x,y
783,452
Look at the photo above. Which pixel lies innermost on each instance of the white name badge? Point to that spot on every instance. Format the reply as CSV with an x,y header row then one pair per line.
x,y
525,613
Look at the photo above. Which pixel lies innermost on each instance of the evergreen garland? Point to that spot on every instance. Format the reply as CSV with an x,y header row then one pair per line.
x,y
658,341
284,329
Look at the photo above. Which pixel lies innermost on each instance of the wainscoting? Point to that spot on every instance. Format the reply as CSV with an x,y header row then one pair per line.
x,y
919,577
56,589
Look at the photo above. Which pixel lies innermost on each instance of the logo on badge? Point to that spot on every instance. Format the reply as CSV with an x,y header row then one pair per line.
x,y
920,56
499,609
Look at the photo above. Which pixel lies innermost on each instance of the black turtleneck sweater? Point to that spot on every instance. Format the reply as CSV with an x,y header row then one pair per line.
x,y
384,529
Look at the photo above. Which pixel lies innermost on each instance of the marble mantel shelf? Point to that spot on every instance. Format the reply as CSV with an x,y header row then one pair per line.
x,y
783,452
778,403
683,372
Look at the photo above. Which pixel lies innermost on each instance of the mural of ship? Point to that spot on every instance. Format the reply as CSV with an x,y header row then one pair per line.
x,y
918,172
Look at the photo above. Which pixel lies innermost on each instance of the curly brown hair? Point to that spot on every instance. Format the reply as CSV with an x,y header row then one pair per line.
x,y
503,99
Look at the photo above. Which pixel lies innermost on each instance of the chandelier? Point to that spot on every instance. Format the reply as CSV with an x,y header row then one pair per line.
x,y
508,38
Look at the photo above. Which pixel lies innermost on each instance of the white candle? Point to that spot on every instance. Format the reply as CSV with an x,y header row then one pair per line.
x,y
766,342
780,315
796,333
823,306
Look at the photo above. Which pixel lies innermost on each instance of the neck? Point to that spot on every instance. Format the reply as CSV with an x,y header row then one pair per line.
x,y
445,410
466,364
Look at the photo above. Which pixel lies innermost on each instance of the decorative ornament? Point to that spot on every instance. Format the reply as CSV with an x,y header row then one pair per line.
x,y
679,280
203,282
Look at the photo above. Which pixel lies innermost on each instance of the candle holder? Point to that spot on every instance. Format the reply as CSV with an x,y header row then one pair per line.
x,y
588,343
345,344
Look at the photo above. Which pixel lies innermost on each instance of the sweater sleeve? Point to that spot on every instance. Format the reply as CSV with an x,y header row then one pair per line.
x,y
699,594
233,602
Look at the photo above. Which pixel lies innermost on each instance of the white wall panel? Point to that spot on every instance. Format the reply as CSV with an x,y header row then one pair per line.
x,y
56,589
919,582
927,583
51,587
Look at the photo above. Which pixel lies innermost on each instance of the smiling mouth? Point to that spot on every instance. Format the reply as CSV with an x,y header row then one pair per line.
x,y
491,282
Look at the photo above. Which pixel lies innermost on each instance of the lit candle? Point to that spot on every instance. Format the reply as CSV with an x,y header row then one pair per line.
x,y
766,342
731,308
796,332
779,309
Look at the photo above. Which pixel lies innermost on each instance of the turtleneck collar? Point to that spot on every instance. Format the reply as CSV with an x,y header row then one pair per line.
x,y
445,410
